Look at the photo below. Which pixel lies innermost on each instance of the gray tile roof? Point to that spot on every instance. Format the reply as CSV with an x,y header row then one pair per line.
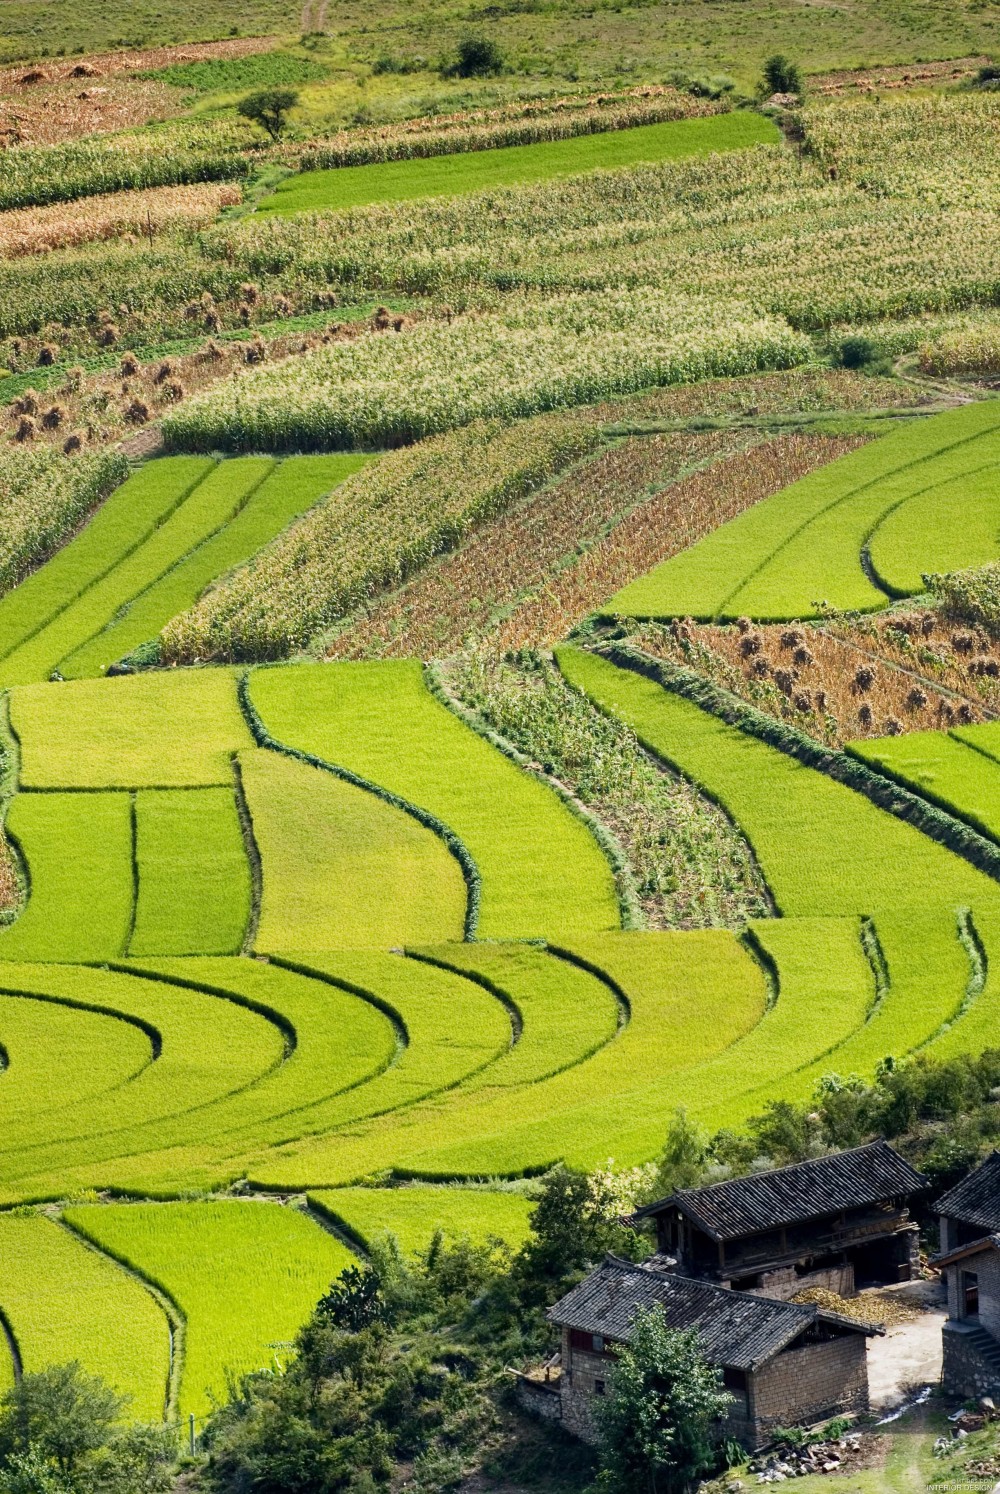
x,y
793,1195
976,1199
737,1329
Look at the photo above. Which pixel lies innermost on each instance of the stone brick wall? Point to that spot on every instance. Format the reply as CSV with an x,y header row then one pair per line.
x,y
784,1283
814,1381
988,1270
965,1373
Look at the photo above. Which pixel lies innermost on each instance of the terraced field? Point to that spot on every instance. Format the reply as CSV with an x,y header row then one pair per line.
x,y
802,550
304,941
148,554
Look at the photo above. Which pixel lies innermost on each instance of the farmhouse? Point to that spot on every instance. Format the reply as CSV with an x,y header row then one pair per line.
x,y
782,1362
840,1222
970,1264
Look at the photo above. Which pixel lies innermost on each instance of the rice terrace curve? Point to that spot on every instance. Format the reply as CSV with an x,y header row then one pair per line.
x,y
499,642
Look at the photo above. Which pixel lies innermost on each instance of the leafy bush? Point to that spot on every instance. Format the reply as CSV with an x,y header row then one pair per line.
x,y
971,596
782,76
478,57
657,1420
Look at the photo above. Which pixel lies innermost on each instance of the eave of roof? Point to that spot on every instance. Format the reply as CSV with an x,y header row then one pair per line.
x,y
739,1330
962,1252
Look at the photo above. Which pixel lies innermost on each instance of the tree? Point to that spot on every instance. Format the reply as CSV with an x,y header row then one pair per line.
x,y
478,57
656,1419
684,1157
269,108
573,1226
59,1413
355,1300
782,76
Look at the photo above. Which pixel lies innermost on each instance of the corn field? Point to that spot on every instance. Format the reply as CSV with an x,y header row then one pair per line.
x,y
374,530
529,356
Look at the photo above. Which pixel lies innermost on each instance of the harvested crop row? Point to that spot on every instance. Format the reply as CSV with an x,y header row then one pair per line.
x,y
823,848
803,675
379,526
525,358
38,230
666,524
689,867
462,597
245,1275
799,551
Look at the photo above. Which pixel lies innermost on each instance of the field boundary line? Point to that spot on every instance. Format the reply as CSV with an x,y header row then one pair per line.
x,y
126,555
7,1329
505,997
253,856
133,819
912,674
453,842
373,999
630,910
168,1305
968,937
881,791
10,785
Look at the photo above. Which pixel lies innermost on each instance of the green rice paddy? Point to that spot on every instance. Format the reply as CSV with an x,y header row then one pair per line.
x,y
414,1215
542,871
474,171
64,1301
243,1275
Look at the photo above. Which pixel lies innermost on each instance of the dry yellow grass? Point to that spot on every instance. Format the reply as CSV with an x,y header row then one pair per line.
x,y
37,230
